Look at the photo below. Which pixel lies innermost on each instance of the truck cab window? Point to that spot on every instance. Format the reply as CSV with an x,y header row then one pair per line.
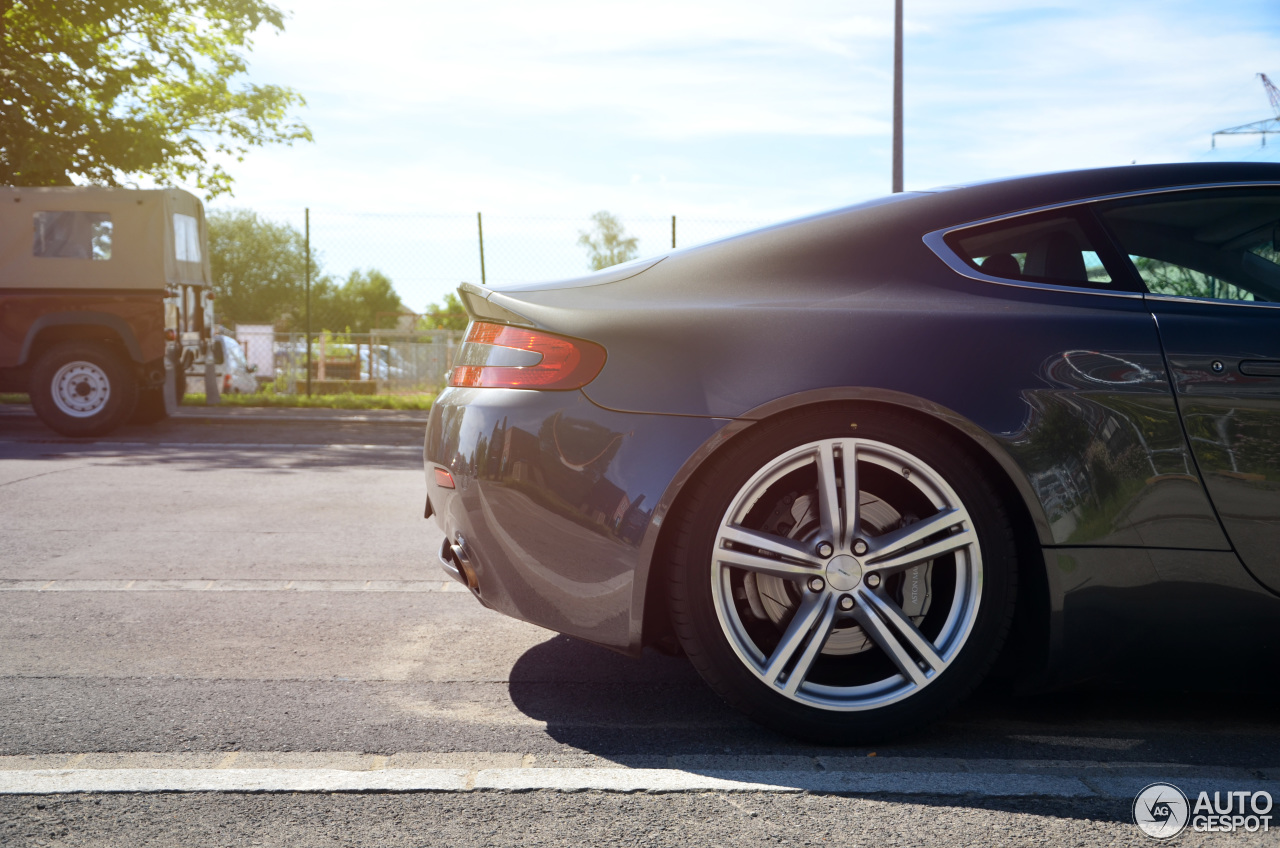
x,y
72,235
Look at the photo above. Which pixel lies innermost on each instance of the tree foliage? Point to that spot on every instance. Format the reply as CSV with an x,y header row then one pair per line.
x,y
259,269
259,277
366,301
451,316
102,91
609,243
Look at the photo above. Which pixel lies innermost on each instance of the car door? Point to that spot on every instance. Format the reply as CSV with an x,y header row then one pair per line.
x,y
1209,260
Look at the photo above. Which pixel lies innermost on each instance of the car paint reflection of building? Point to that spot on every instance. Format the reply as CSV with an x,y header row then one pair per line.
x,y
1108,453
570,458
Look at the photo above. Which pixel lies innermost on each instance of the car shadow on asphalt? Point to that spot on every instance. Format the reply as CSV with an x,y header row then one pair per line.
x,y
655,711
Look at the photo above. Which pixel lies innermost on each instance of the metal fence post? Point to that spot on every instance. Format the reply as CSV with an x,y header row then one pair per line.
x,y
673,232
897,97
308,288
480,230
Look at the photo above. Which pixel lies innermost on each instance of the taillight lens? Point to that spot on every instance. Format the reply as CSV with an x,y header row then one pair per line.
x,y
565,364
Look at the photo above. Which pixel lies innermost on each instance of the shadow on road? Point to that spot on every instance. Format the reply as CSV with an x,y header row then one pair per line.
x,y
640,712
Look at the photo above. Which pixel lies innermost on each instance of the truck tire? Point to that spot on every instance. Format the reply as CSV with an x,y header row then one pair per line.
x,y
82,388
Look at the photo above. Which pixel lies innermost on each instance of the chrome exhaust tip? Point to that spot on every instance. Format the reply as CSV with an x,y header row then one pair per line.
x,y
453,558
446,562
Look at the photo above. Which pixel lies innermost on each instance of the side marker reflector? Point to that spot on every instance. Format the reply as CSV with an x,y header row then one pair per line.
x,y
444,479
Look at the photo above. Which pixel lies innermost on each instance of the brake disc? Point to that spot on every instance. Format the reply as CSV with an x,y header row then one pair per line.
x,y
773,599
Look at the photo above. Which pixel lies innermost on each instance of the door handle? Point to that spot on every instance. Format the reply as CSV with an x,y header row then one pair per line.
x,y
1260,367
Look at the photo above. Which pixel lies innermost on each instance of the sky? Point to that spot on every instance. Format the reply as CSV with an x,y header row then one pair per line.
x,y
728,115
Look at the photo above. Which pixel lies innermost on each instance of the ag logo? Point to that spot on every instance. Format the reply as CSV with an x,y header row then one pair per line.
x,y
1161,810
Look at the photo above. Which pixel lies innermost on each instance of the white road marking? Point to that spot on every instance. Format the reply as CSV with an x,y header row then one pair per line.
x,y
205,585
346,772
89,447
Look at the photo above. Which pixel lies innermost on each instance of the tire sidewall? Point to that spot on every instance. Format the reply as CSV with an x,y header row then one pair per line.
x,y
693,605
120,403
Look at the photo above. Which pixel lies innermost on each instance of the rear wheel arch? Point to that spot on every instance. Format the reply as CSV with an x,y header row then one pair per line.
x,y
1028,648
52,329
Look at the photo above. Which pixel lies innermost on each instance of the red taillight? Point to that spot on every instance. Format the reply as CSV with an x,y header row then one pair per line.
x,y
171,335
226,382
565,364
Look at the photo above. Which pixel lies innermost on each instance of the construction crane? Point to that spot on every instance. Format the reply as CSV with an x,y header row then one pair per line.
x,y
1264,128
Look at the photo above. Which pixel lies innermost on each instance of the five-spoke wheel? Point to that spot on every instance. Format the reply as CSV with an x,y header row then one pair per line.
x,y
831,581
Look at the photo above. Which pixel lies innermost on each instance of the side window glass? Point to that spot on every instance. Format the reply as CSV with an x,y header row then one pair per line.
x,y
72,235
1216,245
186,238
1050,248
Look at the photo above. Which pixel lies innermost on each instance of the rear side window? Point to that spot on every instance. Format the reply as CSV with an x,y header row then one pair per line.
x,y
1055,248
1215,245
186,238
72,235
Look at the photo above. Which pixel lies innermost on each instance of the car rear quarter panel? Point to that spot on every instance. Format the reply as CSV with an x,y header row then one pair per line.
x,y
555,500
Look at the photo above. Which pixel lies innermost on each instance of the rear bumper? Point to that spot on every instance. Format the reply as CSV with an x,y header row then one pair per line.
x,y
556,503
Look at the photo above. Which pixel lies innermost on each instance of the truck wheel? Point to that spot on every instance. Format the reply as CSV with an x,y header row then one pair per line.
x,y
83,389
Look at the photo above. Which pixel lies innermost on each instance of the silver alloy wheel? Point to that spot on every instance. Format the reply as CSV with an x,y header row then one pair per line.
x,y
81,389
840,576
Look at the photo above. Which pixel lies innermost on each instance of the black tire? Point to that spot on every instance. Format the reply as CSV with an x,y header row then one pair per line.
x,y
737,606
81,388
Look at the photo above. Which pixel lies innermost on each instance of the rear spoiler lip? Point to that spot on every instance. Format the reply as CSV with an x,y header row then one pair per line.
x,y
478,301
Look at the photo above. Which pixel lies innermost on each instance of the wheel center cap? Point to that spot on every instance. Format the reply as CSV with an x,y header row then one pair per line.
x,y
844,573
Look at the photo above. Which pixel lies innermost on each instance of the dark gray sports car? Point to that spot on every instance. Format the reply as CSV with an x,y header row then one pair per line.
x,y
849,462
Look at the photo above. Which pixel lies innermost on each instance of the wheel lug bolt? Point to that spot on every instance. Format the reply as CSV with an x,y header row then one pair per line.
x,y
873,580
816,584
860,547
825,549
846,602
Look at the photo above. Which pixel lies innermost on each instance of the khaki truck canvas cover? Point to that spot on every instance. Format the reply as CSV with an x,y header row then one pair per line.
x,y
101,238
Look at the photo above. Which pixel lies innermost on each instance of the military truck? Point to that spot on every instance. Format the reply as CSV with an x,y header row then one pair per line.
x,y
105,302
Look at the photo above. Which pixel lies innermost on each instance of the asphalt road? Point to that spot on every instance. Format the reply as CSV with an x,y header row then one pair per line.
x,y
229,629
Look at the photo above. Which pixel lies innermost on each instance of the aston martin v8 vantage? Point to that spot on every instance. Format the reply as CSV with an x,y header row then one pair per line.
x,y
850,463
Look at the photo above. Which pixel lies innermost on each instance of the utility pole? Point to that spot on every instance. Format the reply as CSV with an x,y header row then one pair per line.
x,y
480,231
897,96
308,290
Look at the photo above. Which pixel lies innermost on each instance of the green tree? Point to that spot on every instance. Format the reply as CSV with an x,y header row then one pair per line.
x,y
108,90
259,270
367,301
259,277
609,243
450,316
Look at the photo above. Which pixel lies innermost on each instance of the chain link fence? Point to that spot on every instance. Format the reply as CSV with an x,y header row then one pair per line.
x,y
381,362
426,256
